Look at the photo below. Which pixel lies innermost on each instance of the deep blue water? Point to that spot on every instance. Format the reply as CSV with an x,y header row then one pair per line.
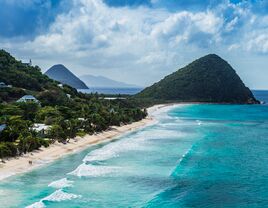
x,y
261,95
194,156
114,91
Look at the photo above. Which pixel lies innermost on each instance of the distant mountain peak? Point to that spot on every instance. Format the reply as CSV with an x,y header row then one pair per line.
x,y
63,75
97,81
207,79
212,55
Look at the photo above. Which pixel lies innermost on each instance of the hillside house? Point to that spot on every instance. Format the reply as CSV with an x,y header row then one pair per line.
x,y
28,98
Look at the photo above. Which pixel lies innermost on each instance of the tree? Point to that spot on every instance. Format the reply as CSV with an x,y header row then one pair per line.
x,y
56,132
29,110
48,115
4,151
71,128
15,126
11,110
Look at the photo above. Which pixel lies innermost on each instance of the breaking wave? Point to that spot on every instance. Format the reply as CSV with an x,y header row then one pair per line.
x,y
62,183
56,196
93,170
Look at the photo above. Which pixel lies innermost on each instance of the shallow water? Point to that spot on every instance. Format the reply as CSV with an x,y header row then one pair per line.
x,y
195,156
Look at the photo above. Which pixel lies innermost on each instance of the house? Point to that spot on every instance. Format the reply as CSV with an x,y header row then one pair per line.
x,y
113,98
28,64
3,85
2,127
41,129
28,98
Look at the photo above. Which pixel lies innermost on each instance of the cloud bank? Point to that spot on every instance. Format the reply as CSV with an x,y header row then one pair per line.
x,y
140,43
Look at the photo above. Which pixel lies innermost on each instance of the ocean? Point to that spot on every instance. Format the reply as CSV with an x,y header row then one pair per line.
x,y
262,95
112,91
201,155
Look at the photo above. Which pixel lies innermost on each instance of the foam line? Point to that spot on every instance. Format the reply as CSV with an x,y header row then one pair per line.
x,y
62,183
57,196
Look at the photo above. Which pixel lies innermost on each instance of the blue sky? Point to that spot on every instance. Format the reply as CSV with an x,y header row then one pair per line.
x,y
138,41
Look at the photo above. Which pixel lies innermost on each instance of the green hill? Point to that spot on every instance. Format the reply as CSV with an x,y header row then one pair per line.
x,y
65,112
208,79
21,75
26,79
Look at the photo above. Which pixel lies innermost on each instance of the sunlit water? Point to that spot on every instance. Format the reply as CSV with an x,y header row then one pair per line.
x,y
195,156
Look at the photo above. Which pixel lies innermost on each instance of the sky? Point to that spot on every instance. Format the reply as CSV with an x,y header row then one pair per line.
x,y
138,41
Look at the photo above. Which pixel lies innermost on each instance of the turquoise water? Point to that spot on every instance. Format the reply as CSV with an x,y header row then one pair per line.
x,y
195,156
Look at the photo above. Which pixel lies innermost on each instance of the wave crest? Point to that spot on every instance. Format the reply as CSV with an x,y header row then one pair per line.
x,y
62,183
57,196
93,170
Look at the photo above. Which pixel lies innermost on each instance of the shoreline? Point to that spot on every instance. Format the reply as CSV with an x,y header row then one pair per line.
x,y
44,156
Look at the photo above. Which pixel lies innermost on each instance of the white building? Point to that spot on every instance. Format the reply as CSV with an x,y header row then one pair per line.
x,y
60,85
3,85
28,98
41,129
28,64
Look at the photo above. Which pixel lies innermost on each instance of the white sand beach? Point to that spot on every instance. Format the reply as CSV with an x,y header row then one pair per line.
x,y
57,150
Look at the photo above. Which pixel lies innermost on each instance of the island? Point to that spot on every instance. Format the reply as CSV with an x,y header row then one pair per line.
x,y
63,75
209,79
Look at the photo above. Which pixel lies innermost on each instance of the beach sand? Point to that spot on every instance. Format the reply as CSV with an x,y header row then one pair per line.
x,y
57,150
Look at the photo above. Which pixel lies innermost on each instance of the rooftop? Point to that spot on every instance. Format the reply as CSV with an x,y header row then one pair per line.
x,y
2,127
39,127
27,98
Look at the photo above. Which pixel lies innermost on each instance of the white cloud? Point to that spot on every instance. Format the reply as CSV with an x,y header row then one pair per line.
x,y
127,43
233,47
185,23
258,43
124,38
231,25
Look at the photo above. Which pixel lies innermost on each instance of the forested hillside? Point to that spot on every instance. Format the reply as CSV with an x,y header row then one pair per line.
x,y
63,110
208,79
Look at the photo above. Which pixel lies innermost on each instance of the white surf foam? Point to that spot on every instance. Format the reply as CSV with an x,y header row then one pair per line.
x,y
104,153
161,111
60,195
199,123
39,204
136,141
62,183
181,159
113,150
57,196
93,170
185,154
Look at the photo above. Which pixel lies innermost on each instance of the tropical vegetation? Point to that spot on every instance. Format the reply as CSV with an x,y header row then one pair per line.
x,y
208,79
65,111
